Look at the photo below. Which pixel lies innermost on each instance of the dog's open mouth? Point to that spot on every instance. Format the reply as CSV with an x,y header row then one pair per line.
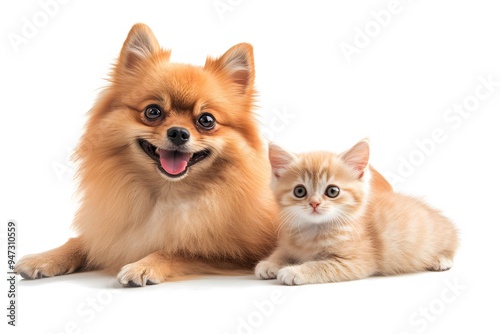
x,y
172,163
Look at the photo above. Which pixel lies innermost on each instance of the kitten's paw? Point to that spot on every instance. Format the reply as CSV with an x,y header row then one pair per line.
x,y
43,265
137,274
442,264
291,276
266,270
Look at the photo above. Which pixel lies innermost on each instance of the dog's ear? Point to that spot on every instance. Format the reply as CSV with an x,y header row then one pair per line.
x,y
238,64
140,44
280,159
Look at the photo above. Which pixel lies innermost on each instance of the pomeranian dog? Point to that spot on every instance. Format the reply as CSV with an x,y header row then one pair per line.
x,y
174,178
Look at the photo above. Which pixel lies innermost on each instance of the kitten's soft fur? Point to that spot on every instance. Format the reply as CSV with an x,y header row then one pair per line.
x,y
335,227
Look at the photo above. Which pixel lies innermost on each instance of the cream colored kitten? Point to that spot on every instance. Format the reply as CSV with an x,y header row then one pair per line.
x,y
334,228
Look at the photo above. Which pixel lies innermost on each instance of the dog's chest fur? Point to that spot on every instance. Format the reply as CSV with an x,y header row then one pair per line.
x,y
176,224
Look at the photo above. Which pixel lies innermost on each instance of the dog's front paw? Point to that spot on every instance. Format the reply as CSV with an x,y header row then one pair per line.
x,y
137,274
43,265
291,276
266,270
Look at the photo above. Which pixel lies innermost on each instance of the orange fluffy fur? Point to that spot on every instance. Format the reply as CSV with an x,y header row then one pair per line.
x,y
136,221
354,233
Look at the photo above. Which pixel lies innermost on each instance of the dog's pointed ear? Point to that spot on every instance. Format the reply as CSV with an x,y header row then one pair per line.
x,y
280,159
238,64
140,44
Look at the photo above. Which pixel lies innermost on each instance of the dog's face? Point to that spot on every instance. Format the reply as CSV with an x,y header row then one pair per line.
x,y
178,119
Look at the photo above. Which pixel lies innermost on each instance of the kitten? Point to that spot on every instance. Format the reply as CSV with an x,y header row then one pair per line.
x,y
337,227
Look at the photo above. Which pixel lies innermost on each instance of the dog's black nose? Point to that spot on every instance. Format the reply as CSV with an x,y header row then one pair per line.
x,y
178,136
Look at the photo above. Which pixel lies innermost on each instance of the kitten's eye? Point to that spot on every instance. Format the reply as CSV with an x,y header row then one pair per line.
x,y
300,191
332,191
206,121
152,112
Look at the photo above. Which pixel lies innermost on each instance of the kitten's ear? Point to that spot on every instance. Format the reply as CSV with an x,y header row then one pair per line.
x,y
280,159
237,63
140,44
357,157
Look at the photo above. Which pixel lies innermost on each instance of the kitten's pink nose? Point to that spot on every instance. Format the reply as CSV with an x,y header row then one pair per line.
x,y
314,205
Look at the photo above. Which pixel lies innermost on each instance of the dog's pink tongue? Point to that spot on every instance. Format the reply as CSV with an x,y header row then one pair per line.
x,y
173,162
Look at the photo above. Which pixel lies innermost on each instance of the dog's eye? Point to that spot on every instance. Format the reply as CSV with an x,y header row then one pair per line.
x,y
152,112
332,191
206,121
300,191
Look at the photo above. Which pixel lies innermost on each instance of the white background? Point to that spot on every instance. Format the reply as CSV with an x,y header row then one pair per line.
x,y
396,90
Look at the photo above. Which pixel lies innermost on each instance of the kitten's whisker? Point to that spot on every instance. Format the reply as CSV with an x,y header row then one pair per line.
x,y
352,226
348,223
344,222
345,226
285,217
300,225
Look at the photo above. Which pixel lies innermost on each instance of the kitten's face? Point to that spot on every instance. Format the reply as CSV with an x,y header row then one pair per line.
x,y
320,187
